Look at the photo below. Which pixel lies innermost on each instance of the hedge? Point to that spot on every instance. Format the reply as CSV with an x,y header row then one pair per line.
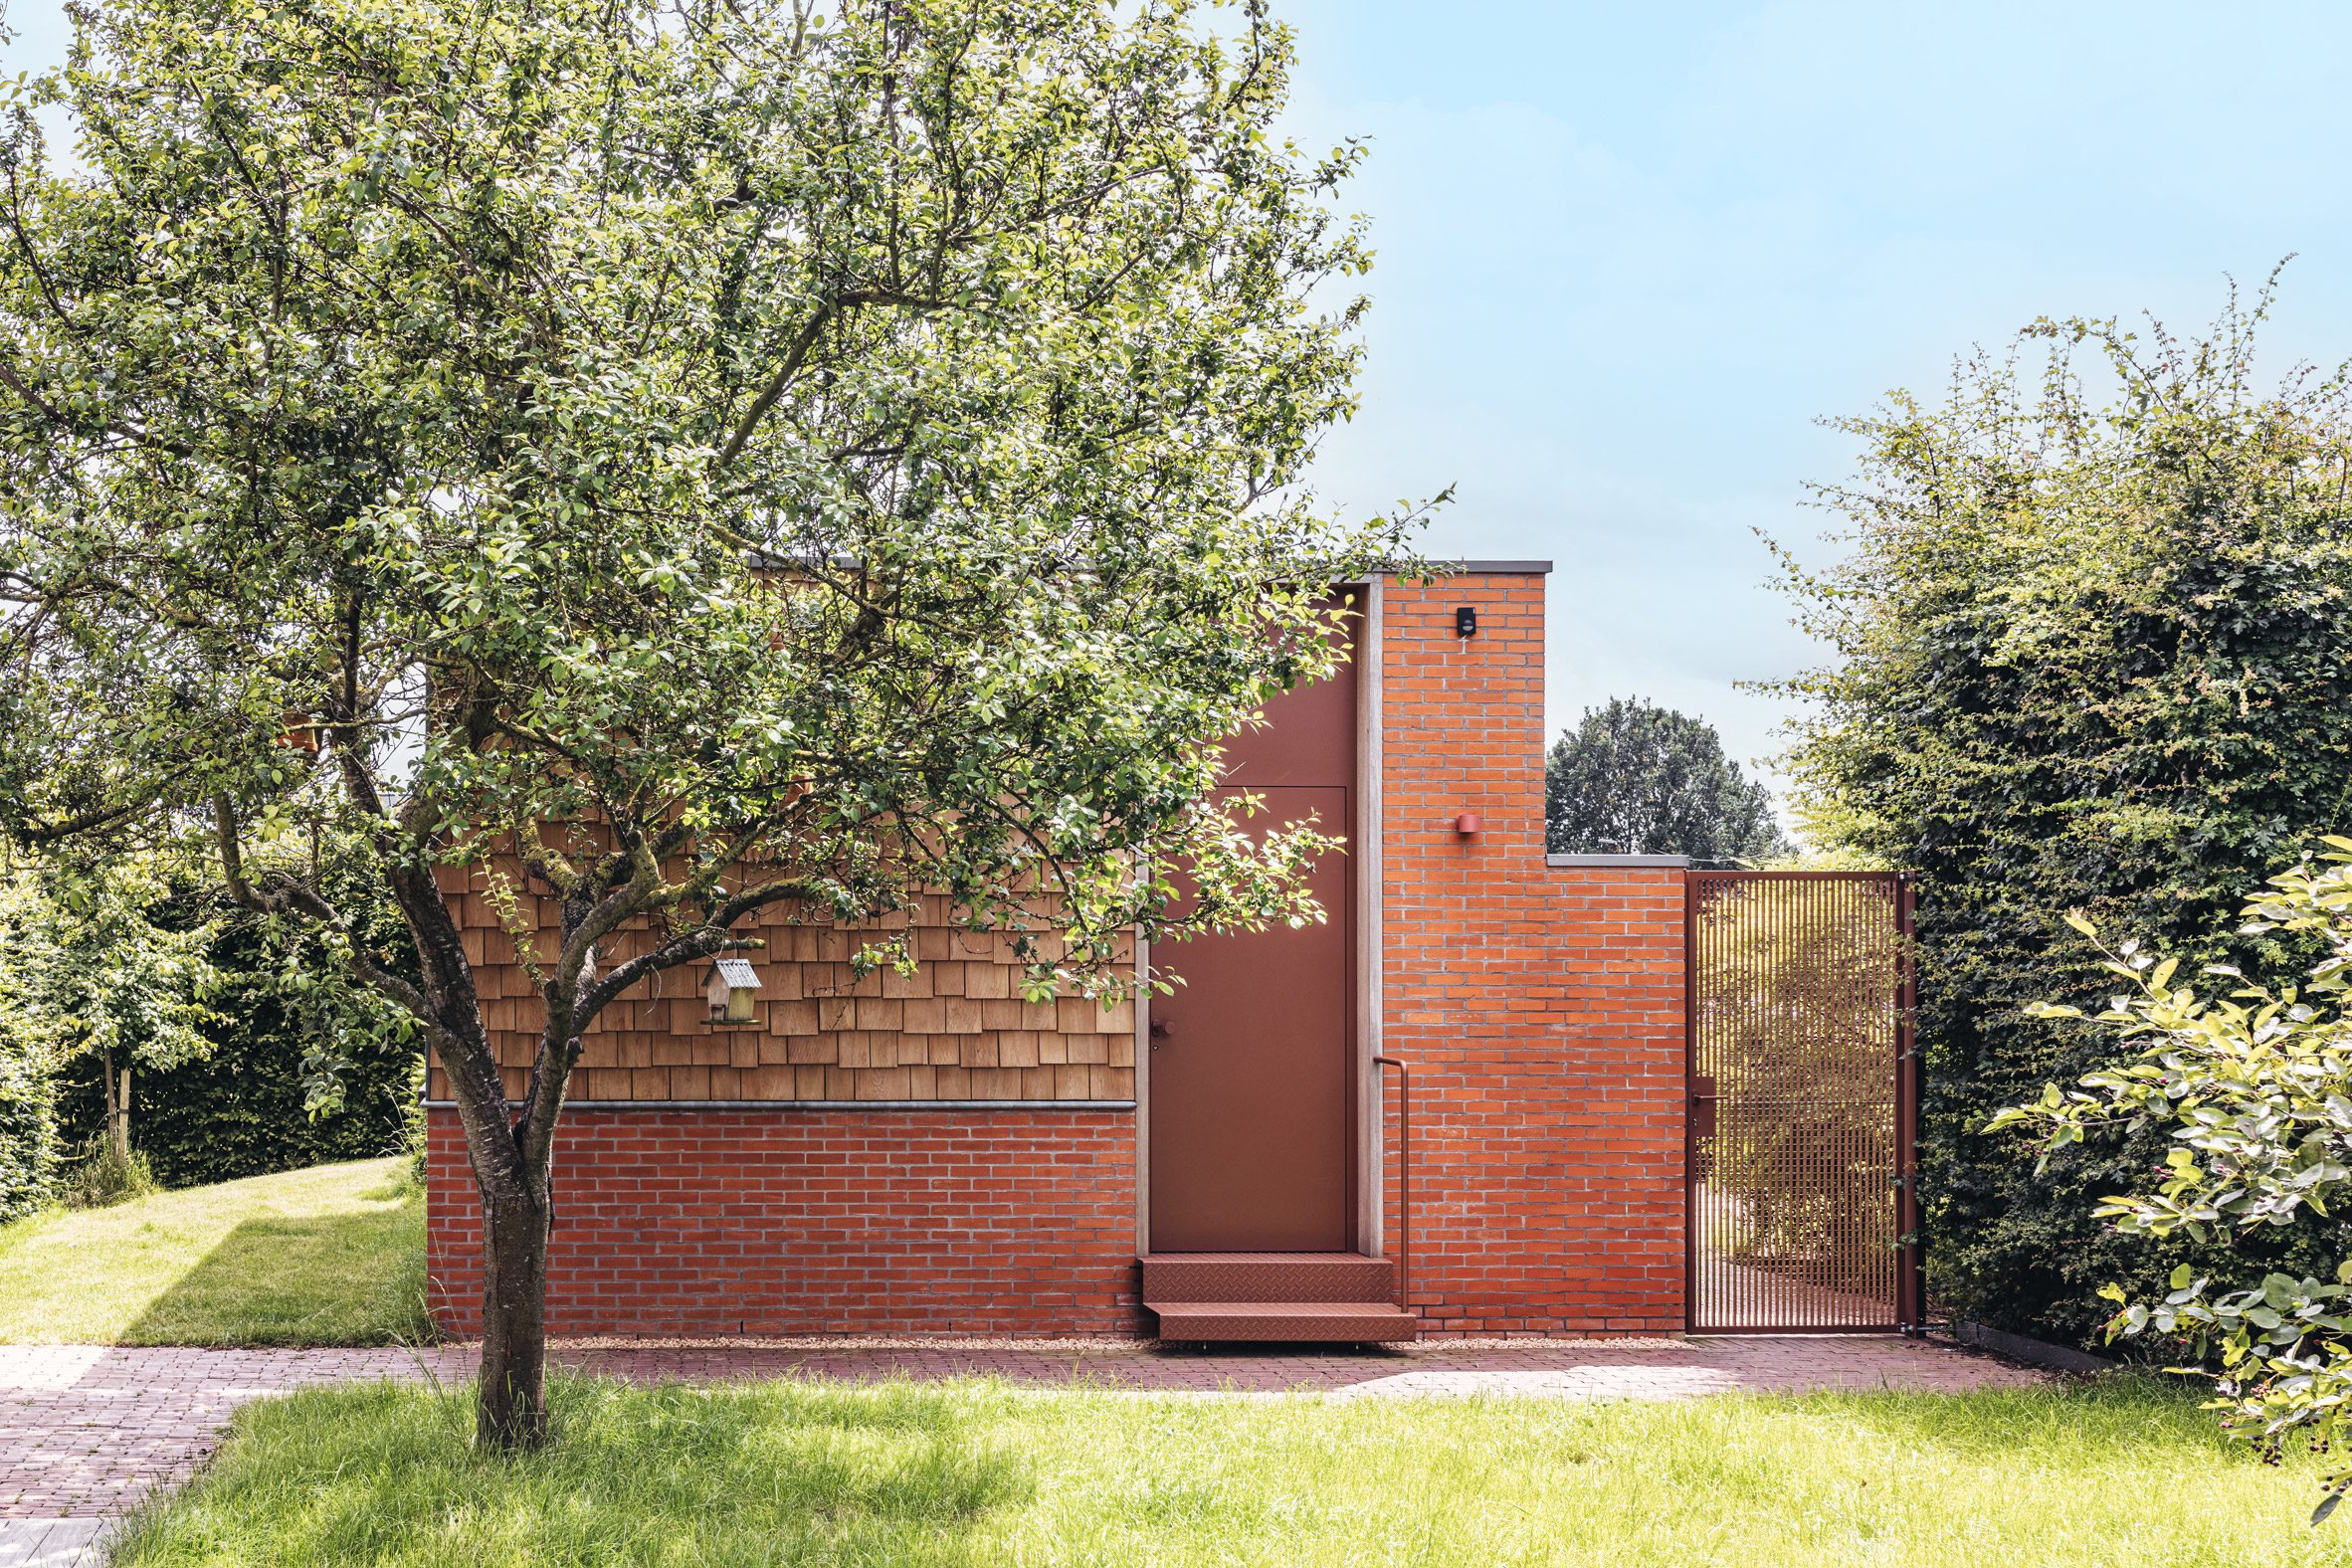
x,y
239,1111
28,1131
2094,656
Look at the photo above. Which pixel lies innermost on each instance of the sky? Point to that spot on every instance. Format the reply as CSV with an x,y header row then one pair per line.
x,y
1629,254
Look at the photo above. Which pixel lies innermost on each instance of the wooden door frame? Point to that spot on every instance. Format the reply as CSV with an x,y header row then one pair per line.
x,y
1364,841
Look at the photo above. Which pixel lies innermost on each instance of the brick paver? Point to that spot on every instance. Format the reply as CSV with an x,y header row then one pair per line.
x,y
84,1429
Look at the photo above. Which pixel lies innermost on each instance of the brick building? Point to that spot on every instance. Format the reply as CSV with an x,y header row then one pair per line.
x,y
930,1154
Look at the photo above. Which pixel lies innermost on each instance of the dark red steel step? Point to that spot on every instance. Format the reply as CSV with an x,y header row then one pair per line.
x,y
1273,1297
1298,1323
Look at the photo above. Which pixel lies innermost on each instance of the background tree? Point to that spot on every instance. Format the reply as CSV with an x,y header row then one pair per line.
x,y
2094,639
1634,778
300,1065
127,985
667,460
100,974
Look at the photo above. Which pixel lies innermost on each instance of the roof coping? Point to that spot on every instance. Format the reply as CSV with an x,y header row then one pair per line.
x,y
1497,568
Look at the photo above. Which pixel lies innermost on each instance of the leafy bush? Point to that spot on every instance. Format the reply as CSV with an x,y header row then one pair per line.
x,y
28,1131
2254,1092
27,1063
2093,654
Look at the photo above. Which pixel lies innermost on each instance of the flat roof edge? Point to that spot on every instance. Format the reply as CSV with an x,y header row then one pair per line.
x,y
1497,568
769,561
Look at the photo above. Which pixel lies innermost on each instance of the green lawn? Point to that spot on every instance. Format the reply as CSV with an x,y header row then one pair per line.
x,y
331,1256
2125,1473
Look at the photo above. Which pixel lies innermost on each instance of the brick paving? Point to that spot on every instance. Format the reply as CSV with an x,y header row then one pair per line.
x,y
85,1430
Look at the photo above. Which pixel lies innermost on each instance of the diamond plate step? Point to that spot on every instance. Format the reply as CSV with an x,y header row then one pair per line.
x,y
1268,1276
1294,1322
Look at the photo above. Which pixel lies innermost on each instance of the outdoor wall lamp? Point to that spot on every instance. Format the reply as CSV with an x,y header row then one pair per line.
x,y
1466,621
1468,824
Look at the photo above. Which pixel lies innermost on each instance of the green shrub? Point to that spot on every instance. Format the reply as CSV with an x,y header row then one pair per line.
x,y
28,1062
28,1129
2251,1078
2091,656
411,1129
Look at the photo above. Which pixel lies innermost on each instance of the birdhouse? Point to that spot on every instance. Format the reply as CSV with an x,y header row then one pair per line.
x,y
728,990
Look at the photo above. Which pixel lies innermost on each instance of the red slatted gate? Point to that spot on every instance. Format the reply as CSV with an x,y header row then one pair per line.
x,y
1803,1103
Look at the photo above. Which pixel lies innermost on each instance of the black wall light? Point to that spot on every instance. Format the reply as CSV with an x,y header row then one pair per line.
x,y
1466,621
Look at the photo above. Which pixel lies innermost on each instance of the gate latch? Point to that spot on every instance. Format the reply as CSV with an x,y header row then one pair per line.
x,y
1702,1108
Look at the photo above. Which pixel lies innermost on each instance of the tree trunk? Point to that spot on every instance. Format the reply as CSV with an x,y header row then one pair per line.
x,y
513,1411
118,1106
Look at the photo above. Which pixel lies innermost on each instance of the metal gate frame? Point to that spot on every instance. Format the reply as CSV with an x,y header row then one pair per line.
x,y
1910,1292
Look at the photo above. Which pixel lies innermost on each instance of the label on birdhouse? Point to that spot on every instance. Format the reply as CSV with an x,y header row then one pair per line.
x,y
737,973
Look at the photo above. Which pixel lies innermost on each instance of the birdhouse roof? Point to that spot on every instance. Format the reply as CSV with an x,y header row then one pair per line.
x,y
737,973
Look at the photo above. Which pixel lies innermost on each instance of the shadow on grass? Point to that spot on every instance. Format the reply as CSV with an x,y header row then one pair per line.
x,y
785,1472
315,1279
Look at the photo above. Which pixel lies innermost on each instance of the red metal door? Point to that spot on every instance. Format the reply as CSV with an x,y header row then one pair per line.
x,y
1803,1098
1253,1139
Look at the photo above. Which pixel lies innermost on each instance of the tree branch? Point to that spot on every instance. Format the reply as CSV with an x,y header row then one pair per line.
x,y
793,358
31,832
308,904
707,940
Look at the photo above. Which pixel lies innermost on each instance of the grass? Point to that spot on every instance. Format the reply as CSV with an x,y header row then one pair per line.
x,y
329,1255
2122,1472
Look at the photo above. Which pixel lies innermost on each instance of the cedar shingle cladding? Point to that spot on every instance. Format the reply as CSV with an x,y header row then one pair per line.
x,y
955,1029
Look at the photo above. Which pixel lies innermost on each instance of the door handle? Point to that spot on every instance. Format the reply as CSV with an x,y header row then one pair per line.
x,y
1158,1031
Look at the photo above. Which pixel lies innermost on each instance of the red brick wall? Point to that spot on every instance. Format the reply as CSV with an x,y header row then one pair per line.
x,y
1540,1008
711,1220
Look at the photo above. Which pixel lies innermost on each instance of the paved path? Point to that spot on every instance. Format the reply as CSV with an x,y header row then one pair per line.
x,y
86,1428
50,1543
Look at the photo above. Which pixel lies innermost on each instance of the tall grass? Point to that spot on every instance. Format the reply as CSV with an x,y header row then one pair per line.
x,y
100,1174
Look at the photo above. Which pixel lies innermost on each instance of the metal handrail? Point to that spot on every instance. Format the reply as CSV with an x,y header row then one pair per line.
x,y
1404,1179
